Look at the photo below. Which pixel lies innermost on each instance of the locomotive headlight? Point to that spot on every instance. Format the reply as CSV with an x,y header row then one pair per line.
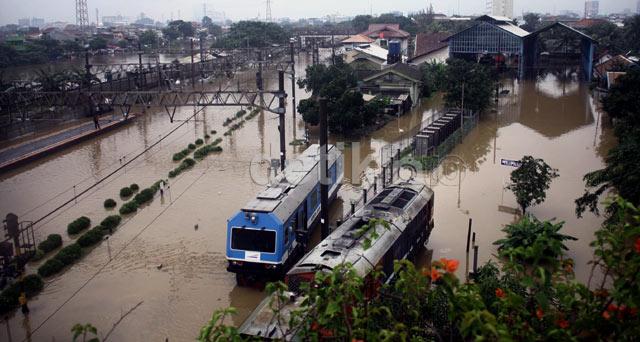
x,y
253,218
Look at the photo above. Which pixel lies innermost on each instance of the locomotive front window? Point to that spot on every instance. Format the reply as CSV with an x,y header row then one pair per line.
x,y
253,240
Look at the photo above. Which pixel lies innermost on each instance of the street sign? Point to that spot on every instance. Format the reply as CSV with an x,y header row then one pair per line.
x,y
508,162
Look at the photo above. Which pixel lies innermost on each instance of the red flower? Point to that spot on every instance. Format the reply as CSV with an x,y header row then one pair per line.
x,y
602,293
637,244
562,323
452,265
314,326
569,267
435,274
539,313
500,294
612,307
606,315
525,325
354,340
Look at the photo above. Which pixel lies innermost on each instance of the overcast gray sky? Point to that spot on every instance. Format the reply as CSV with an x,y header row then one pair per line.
x,y
64,10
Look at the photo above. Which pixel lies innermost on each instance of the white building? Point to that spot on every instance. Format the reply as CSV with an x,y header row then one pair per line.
x,y
501,8
590,9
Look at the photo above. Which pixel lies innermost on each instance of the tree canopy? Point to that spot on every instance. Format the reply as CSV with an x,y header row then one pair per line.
x,y
530,181
253,33
148,37
178,28
477,80
531,22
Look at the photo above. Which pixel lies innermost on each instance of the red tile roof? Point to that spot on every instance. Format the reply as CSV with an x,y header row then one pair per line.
x,y
387,30
587,22
603,67
428,42
358,38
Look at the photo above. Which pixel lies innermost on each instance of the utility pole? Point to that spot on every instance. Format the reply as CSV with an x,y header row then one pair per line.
x,y
283,149
193,68
140,52
324,187
202,59
13,231
333,51
293,80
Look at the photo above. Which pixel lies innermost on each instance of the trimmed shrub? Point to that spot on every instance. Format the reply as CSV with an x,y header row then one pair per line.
x,y
240,113
111,221
50,267
192,146
217,149
128,207
207,136
69,254
217,141
178,156
213,131
109,203
185,152
144,196
78,225
39,255
172,174
199,142
189,162
134,187
52,242
126,192
92,237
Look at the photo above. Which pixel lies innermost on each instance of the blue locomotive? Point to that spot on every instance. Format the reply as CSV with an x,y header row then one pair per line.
x,y
269,234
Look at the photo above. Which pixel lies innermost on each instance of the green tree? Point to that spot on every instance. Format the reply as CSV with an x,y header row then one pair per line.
x,y
622,103
477,80
632,33
123,43
206,21
433,76
255,33
183,28
148,37
72,46
530,181
214,30
83,330
531,22
171,32
361,22
309,108
97,43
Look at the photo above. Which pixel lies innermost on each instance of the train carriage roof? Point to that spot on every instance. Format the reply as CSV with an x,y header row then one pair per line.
x,y
291,186
397,204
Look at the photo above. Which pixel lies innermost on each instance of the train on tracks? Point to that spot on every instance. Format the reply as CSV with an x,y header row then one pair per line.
x,y
269,234
408,208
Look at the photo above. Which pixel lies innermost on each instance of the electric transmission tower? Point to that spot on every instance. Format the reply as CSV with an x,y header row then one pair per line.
x,y
268,15
82,14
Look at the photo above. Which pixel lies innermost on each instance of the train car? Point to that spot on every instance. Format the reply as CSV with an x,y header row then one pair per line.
x,y
406,205
269,234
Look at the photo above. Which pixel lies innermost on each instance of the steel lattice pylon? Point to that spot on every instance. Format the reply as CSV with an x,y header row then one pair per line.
x,y
82,14
268,15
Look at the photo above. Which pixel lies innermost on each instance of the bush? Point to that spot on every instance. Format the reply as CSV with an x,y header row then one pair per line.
x,y
178,156
192,146
217,141
111,221
213,132
207,136
109,203
52,242
185,152
217,149
172,174
51,267
128,207
78,225
189,162
199,142
144,196
39,255
92,237
126,192
134,187
69,254
240,113
9,298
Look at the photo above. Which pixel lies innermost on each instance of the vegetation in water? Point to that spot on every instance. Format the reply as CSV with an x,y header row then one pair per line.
x,y
78,225
530,181
126,192
110,203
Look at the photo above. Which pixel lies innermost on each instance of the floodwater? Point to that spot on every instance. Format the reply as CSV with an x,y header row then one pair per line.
x,y
553,118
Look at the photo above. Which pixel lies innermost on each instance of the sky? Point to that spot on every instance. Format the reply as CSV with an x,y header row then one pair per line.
x,y
64,10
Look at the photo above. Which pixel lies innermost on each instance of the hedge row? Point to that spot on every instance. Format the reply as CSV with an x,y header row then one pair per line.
x,y
92,237
187,163
128,207
78,225
111,221
253,113
9,297
52,242
64,257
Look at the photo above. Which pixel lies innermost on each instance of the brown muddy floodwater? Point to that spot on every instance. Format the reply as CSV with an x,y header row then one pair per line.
x,y
553,118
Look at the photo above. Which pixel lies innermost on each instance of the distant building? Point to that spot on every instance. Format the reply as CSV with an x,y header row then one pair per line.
x,y
638,7
429,48
37,22
591,8
382,33
501,8
584,23
114,20
24,22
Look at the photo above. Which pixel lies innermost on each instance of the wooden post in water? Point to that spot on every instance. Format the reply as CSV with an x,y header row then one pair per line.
x,y
466,271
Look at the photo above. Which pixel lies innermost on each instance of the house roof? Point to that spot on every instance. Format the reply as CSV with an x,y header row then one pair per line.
x,y
404,70
507,27
359,38
587,22
387,30
428,42
492,18
556,24
603,67
373,50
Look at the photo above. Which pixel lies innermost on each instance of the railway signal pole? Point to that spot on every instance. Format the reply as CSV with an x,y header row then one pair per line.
x,y
324,187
